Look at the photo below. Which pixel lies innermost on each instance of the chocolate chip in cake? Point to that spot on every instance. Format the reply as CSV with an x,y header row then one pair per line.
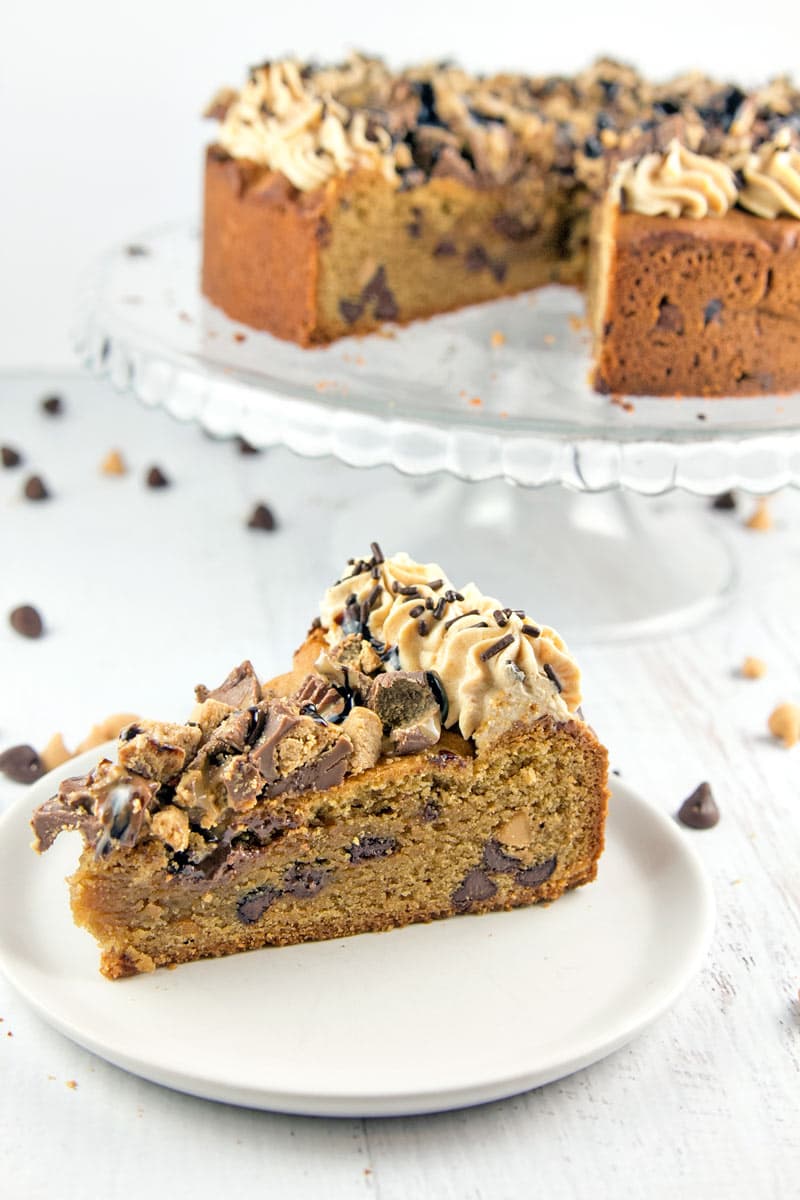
x,y
712,311
699,811
381,295
445,249
255,903
724,502
430,812
9,456
35,488
368,847
27,621
533,876
512,227
496,859
22,764
670,317
52,405
155,478
476,886
261,518
351,310
303,880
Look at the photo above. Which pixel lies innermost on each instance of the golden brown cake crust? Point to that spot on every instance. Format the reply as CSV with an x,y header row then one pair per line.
x,y
709,307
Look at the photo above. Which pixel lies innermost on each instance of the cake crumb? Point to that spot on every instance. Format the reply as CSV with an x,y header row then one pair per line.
x,y
497,339
113,464
71,1084
761,517
753,668
578,324
476,402
549,339
784,723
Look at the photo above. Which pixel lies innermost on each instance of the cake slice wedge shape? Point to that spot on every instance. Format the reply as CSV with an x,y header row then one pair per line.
x,y
425,757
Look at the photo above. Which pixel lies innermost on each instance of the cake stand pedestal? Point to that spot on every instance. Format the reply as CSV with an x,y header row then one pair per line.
x,y
491,396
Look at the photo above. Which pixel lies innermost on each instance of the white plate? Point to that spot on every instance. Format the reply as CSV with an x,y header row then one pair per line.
x,y
418,1020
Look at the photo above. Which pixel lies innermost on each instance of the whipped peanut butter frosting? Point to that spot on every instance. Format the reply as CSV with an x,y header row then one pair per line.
x,y
691,146
493,663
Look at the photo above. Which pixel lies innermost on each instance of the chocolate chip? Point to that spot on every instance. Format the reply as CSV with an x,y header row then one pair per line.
x,y
371,847
136,251
670,317
496,859
261,518
476,258
351,310
303,881
430,812
255,903
155,478
245,447
26,621
52,405
382,296
725,501
711,311
9,456
444,250
533,876
35,488
593,147
476,886
22,764
511,227
699,811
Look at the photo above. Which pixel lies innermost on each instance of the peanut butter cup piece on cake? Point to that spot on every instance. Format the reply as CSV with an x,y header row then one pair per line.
x,y
424,757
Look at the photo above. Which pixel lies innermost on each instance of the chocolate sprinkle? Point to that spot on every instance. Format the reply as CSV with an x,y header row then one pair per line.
x,y
531,630
699,811
261,518
551,675
423,628
35,488
497,647
500,617
473,612
438,611
435,584
155,478
22,764
9,456
26,621
377,553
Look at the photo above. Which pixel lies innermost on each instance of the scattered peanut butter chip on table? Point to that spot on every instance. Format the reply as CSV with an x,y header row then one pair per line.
x,y
761,517
113,464
699,811
22,764
753,668
498,339
27,621
784,723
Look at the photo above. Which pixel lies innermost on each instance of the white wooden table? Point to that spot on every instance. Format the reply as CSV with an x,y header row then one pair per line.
x,y
136,589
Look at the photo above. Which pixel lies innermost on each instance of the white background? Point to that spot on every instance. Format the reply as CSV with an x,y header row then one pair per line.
x,y
101,102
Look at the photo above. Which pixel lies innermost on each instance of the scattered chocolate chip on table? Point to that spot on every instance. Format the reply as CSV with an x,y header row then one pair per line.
x,y
261,518
22,764
52,405
156,478
27,621
699,811
9,456
35,488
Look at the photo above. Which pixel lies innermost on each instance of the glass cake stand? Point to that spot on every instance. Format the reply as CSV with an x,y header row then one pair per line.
x,y
494,395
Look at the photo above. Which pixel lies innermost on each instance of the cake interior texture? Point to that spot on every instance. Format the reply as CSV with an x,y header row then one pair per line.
x,y
341,198
361,791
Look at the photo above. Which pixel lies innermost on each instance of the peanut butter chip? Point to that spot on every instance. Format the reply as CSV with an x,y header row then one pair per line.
x,y
516,833
753,668
55,753
784,723
113,464
107,729
761,517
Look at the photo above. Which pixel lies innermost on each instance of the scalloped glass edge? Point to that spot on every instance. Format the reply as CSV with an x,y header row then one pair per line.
x,y
227,406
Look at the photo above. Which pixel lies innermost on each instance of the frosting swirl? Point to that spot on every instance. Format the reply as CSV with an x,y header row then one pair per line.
x,y
279,123
678,183
772,179
496,665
